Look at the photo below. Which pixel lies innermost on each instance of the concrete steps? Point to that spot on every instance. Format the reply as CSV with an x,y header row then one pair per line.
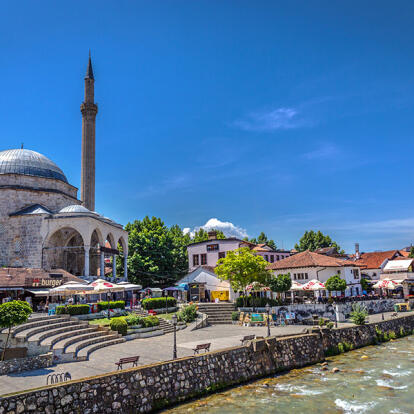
x,y
65,343
38,322
218,313
84,353
101,340
67,333
29,333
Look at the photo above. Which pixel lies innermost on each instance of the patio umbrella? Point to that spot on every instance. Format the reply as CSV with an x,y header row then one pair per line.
x,y
103,286
387,284
257,287
314,285
296,286
70,288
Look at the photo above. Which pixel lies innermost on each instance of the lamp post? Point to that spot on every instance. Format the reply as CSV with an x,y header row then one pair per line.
x,y
174,321
268,318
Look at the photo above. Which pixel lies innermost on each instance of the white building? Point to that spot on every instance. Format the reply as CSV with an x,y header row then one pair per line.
x,y
207,253
307,265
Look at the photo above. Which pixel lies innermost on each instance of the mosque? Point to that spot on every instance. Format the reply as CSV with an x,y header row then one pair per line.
x,y
47,235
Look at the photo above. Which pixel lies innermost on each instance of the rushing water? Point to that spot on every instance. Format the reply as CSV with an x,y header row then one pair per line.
x,y
375,379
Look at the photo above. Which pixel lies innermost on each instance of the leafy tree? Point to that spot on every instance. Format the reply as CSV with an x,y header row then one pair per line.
x,y
365,285
411,255
312,240
242,267
335,284
157,255
11,314
262,239
359,314
281,283
202,235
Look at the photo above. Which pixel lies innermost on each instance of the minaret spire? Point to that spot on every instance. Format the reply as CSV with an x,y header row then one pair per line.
x,y
89,110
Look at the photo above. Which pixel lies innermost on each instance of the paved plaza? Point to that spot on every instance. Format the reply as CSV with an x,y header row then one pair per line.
x,y
150,350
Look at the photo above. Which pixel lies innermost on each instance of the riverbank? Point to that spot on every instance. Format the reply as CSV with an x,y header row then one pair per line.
x,y
154,386
379,379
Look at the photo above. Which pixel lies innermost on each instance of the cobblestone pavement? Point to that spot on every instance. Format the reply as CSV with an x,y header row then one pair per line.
x,y
150,350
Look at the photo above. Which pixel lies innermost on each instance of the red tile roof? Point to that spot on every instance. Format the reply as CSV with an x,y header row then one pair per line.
x,y
373,260
309,259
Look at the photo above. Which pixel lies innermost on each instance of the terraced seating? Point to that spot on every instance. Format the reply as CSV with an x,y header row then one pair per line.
x,y
87,350
218,313
29,332
65,332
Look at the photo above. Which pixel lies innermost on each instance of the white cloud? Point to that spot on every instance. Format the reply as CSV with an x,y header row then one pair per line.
x,y
229,229
275,119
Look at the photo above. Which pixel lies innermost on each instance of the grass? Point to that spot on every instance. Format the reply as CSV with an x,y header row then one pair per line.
x,y
101,322
167,316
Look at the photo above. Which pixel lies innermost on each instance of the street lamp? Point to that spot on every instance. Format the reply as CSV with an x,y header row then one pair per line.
x,y
174,321
268,318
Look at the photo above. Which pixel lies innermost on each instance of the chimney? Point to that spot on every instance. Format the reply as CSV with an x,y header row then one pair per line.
x,y
212,235
357,255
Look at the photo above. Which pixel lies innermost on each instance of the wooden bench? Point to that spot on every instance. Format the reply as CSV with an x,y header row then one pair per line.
x,y
247,338
129,360
201,347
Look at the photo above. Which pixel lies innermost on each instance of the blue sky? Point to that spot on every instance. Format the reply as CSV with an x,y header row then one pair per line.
x,y
273,116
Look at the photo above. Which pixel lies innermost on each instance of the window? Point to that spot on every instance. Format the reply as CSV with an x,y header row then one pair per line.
x,y
204,259
272,258
294,276
195,260
277,257
266,257
355,273
306,276
222,255
212,247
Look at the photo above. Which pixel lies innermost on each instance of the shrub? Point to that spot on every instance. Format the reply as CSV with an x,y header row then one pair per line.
x,y
118,304
330,325
402,332
250,301
341,348
392,335
158,303
150,321
119,325
359,314
134,320
187,314
321,322
73,309
235,316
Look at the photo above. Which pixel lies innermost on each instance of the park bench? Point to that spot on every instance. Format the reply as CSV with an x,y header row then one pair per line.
x,y
247,338
129,360
201,347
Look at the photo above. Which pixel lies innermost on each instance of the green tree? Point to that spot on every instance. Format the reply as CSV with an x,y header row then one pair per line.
x,y
242,267
262,239
280,283
411,255
202,235
365,285
157,255
312,240
11,314
335,284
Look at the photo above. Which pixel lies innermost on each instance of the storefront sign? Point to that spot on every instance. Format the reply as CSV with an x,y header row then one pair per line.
x,y
40,282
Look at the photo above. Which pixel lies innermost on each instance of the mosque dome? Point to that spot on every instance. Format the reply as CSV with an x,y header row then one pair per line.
x,y
27,162
75,208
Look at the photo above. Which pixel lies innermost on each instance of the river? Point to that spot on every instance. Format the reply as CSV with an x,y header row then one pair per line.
x,y
375,379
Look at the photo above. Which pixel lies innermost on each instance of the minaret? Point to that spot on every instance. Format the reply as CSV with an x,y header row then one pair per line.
x,y
89,110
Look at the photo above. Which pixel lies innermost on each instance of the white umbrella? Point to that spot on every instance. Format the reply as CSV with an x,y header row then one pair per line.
x,y
103,286
70,288
296,286
314,285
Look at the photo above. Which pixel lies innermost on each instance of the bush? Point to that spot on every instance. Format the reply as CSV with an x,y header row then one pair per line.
x,y
134,320
235,316
72,310
359,314
330,325
249,301
119,325
321,322
187,314
118,304
392,335
158,303
150,321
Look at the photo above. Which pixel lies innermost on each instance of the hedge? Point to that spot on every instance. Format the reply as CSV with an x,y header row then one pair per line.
x,y
118,304
73,309
119,325
158,303
143,321
250,301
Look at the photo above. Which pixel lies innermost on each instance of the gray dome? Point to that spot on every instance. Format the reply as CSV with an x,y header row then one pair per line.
x,y
27,162
75,208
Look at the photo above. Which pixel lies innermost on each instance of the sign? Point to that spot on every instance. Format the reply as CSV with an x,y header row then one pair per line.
x,y
41,282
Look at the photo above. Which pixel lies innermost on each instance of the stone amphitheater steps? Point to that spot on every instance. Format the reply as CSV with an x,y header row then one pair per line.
x,y
84,353
56,336
165,325
218,313
33,332
102,340
65,344
38,322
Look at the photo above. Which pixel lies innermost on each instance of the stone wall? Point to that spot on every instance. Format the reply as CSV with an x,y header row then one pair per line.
x,y
26,364
305,311
151,387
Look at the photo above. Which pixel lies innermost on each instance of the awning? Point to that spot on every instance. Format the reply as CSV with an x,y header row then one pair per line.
x,y
38,292
11,288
